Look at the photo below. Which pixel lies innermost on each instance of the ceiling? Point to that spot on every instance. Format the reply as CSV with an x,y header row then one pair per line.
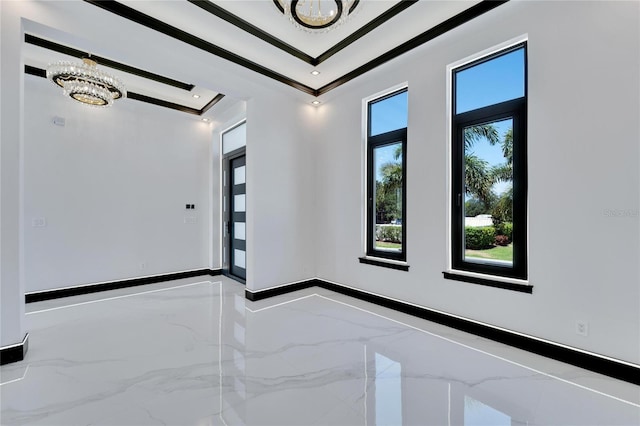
x,y
256,35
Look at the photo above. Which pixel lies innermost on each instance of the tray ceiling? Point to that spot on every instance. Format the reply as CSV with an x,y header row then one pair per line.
x,y
256,35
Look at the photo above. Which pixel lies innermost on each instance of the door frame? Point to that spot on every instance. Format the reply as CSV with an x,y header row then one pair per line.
x,y
227,223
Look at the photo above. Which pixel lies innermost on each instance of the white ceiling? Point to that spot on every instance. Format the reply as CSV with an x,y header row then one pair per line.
x,y
264,58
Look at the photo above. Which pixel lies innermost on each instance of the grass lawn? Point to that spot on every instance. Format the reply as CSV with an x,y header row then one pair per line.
x,y
384,244
497,253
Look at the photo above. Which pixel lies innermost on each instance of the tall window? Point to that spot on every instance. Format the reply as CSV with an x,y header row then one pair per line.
x,y
386,176
489,154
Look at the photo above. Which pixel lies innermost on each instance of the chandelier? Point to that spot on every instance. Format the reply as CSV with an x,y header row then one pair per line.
x,y
317,15
85,83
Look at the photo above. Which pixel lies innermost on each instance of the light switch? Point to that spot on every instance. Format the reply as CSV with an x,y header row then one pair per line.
x,y
38,222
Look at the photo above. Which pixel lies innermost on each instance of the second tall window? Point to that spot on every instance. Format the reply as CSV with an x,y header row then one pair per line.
x,y
386,176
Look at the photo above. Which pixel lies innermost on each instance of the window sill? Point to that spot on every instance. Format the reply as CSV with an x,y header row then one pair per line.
x,y
385,263
491,282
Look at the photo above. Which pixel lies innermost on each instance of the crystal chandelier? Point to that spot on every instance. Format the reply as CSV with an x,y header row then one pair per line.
x,y
85,83
317,15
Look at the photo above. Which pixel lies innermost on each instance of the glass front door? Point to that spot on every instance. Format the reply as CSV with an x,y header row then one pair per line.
x,y
237,228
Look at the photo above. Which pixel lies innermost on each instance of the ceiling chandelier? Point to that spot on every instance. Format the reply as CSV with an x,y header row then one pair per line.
x,y
317,15
85,83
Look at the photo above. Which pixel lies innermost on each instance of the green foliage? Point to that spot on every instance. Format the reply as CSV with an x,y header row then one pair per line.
x,y
479,132
506,229
503,210
386,203
507,146
389,191
479,177
478,238
389,233
475,206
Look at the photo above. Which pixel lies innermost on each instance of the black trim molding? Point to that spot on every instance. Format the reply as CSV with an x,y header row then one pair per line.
x,y
488,282
442,28
70,51
277,291
14,353
39,296
364,30
223,14
384,264
39,72
140,18
285,47
588,361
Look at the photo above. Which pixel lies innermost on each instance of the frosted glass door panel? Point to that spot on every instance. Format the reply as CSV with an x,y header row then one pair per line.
x,y
239,203
237,225
240,231
239,175
240,258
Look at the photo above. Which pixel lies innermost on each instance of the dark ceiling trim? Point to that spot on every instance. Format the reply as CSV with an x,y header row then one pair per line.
x,y
211,103
171,31
66,50
251,29
448,25
39,72
403,5
178,34
162,103
263,35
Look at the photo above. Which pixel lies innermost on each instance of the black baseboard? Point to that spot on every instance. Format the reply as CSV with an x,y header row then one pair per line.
x,y
14,353
277,291
114,285
612,368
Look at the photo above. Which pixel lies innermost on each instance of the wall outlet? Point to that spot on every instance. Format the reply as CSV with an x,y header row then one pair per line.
x,y
582,328
38,222
191,220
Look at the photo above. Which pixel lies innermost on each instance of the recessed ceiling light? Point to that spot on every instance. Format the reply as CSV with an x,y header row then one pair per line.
x,y
206,120
315,72
196,96
316,102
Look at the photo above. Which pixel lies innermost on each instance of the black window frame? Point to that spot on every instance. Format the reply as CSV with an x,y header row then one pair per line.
x,y
516,109
373,142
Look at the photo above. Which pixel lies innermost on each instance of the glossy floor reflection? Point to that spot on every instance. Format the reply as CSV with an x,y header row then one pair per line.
x,y
196,353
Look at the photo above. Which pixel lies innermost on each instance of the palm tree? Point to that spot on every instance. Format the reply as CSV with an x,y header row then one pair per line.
x,y
388,191
479,132
504,172
478,178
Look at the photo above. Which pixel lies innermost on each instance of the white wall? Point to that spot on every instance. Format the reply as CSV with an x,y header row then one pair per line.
x,y
583,159
112,185
280,191
11,283
280,177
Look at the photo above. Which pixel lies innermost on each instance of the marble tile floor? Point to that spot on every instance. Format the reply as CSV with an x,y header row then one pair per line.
x,y
195,352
